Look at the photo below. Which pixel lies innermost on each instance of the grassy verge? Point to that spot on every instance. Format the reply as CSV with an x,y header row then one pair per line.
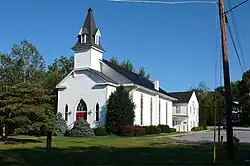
x,y
111,150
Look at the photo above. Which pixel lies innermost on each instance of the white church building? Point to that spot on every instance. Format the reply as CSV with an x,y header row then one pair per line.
x,y
84,92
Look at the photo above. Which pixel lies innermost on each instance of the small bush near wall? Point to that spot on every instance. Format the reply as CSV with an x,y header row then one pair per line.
x,y
152,129
172,130
199,128
100,131
164,128
81,128
130,130
139,131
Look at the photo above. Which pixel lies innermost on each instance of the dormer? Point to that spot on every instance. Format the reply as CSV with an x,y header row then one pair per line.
x,y
97,37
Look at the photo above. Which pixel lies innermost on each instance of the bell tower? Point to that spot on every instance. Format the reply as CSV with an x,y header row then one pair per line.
x,y
88,49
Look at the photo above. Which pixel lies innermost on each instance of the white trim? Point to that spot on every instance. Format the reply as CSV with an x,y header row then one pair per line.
x,y
97,49
58,85
107,83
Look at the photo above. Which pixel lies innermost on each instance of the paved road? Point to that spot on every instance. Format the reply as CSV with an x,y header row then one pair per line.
x,y
208,136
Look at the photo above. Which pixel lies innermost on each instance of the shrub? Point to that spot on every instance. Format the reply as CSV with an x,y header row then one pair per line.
x,y
164,128
172,130
127,130
130,130
120,110
100,131
60,126
139,131
152,129
81,128
199,128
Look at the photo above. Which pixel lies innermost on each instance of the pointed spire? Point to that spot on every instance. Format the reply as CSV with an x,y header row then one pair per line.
x,y
89,29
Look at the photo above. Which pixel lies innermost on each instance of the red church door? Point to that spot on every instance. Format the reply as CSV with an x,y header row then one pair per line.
x,y
81,111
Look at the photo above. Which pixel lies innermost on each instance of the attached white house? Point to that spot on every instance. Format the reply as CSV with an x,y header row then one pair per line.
x,y
185,111
84,92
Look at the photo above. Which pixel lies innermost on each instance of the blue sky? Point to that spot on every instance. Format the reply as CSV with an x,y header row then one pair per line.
x,y
177,44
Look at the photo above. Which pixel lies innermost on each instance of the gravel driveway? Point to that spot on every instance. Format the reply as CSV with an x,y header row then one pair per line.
x,y
208,136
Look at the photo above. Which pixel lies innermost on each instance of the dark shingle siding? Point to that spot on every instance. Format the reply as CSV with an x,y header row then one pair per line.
x,y
103,76
183,97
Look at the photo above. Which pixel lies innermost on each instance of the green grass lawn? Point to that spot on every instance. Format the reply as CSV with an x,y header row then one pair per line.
x,y
110,150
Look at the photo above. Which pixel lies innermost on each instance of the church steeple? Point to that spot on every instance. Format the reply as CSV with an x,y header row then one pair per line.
x,y
89,35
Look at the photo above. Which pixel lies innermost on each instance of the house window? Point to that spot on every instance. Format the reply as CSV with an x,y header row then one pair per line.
x,y
141,109
178,110
97,113
66,112
159,112
166,113
151,111
173,123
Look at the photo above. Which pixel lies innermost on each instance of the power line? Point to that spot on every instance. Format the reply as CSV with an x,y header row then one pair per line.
x,y
235,48
237,34
164,2
236,6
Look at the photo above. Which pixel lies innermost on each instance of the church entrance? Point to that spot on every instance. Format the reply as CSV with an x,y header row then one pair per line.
x,y
81,111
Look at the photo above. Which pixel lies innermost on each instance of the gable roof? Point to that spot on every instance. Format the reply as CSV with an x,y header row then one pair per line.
x,y
134,77
183,97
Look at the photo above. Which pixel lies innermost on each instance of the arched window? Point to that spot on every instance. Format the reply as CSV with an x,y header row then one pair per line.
x,y
141,109
82,107
66,112
81,110
97,113
159,112
166,112
151,111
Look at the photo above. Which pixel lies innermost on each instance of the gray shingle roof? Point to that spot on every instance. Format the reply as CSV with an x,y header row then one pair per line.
x,y
134,77
103,76
183,97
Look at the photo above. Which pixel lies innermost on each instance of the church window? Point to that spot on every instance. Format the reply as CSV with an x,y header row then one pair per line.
x,y
66,112
82,106
141,109
178,110
97,113
151,111
83,38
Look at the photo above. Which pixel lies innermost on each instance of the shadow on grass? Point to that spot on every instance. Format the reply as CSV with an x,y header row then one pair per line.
x,y
184,155
20,141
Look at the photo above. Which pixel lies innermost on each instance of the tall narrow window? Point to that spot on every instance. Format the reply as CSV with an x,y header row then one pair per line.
x,y
151,111
159,112
166,113
97,113
141,109
66,112
178,109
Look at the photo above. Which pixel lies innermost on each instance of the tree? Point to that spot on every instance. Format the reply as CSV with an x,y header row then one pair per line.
x,y
81,128
25,109
244,96
120,110
128,65
60,125
24,63
142,73
115,61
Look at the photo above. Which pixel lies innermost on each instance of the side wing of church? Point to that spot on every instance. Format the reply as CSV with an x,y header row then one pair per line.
x,y
84,92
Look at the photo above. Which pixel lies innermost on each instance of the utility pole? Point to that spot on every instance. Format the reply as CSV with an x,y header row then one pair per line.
x,y
228,97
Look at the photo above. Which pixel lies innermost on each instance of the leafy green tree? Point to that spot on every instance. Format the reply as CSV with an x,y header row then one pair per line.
x,y
244,96
115,61
142,73
60,125
128,65
120,110
25,109
23,63
81,128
